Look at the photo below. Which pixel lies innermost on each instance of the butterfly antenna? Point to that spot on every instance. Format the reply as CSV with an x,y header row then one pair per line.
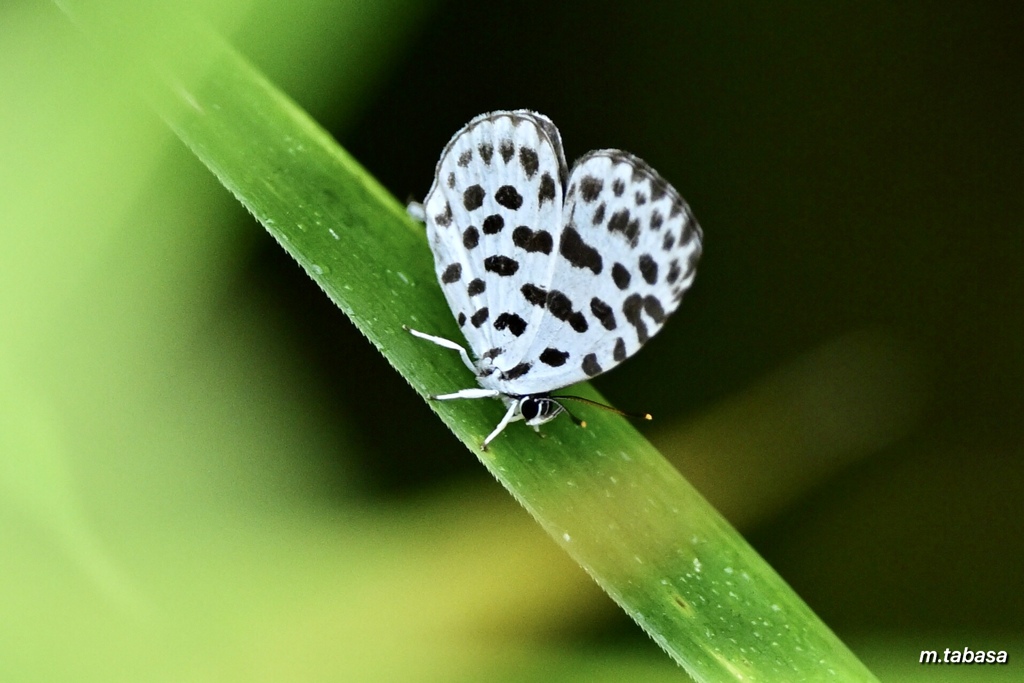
x,y
578,421
635,416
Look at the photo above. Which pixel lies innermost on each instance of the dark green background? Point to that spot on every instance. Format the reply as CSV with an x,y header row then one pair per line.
x,y
207,472
855,166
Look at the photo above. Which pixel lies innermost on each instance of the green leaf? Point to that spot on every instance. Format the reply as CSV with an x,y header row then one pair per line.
x,y
603,493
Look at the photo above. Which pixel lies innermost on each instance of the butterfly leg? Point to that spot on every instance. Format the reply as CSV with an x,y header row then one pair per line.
x,y
446,343
468,393
511,415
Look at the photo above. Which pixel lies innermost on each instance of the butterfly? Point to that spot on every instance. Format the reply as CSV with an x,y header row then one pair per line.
x,y
554,276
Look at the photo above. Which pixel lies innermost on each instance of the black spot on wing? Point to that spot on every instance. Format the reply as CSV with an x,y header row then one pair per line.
x,y
559,304
480,317
656,220
534,294
493,224
451,181
579,253
561,307
599,214
507,150
486,150
477,286
619,354
691,263
649,269
603,312
531,241
621,276
547,189
633,232
674,271
668,242
470,237
493,353
510,321
652,306
465,158
517,372
677,207
473,197
658,189
690,228
554,357
640,198
452,273
528,158
632,308
618,187
590,188
590,365
444,219
620,222
501,265
508,197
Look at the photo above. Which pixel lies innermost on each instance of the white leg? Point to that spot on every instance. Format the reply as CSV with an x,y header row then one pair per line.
x,y
446,343
510,416
469,393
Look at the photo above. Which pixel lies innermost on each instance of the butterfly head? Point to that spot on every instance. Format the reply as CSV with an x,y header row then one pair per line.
x,y
537,410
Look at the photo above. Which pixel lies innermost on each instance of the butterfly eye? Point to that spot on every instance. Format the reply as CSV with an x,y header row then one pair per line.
x,y
538,410
530,408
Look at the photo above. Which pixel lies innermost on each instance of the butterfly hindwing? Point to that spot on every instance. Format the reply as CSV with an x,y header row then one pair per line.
x,y
627,252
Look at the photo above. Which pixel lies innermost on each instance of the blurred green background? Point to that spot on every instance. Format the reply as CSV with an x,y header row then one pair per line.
x,y
206,473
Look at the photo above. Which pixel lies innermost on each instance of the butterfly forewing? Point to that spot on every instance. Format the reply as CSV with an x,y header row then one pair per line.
x,y
493,223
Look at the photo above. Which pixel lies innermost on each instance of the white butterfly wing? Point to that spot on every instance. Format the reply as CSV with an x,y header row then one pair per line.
x,y
493,219
626,254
